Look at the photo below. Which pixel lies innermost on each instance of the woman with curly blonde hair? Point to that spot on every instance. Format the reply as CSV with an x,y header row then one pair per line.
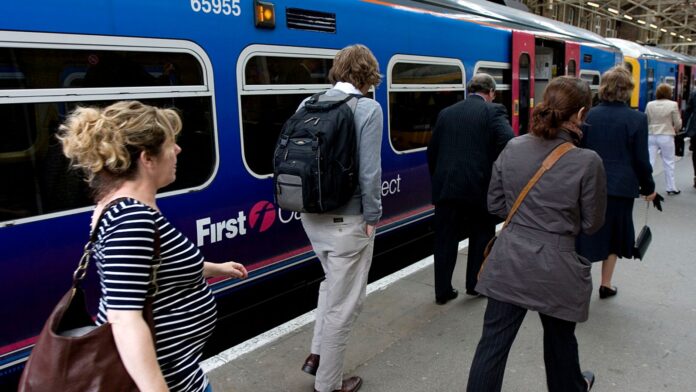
x,y
127,152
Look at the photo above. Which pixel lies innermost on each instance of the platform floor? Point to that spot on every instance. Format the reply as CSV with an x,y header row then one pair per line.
x,y
644,339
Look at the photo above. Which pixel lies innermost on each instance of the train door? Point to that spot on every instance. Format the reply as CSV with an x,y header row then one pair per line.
x,y
679,88
549,62
633,66
572,58
522,80
683,86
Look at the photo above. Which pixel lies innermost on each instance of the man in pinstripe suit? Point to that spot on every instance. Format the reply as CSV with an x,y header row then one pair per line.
x,y
468,137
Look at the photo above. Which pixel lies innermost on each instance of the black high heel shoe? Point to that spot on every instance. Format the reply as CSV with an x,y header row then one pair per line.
x,y
606,292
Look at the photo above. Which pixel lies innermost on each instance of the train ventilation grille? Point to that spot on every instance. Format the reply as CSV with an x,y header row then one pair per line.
x,y
311,20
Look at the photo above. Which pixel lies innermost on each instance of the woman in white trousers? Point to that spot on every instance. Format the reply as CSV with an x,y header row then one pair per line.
x,y
664,121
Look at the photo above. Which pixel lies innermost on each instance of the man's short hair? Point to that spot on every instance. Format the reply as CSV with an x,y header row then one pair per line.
x,y
481,83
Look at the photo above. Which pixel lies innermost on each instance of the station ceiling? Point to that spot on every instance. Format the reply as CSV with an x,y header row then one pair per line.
x,y
667,23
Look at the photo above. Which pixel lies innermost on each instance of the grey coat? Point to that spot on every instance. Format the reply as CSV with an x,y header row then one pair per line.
x,y
533,263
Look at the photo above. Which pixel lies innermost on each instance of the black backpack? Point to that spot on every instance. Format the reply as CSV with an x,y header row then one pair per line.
x,y
314,164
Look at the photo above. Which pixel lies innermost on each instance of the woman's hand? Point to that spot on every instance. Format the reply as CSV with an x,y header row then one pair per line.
x,y
229,269
650,197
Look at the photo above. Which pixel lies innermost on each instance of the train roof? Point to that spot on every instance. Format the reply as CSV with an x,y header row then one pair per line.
x,y
679,57
632,49
511,18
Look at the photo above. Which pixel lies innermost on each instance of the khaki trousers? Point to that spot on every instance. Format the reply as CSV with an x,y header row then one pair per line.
x,y
345,252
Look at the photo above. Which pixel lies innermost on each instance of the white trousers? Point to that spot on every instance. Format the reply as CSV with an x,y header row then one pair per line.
x,y
665,145
345,252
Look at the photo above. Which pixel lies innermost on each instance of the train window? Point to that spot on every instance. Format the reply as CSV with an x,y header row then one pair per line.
x,y
276,80
502,73
419,87
593,78
35,179
671,81
650,75
572,68
49,68
629,66
287,70
420,73
526,101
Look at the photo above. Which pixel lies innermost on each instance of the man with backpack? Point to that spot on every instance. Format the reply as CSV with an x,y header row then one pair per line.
x,y
328,166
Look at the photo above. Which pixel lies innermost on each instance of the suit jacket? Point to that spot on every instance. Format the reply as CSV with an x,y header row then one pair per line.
x,y
619,135
533,263
690,116
467,139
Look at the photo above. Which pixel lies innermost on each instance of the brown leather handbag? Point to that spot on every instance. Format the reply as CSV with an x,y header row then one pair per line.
x,y
550,160
73,354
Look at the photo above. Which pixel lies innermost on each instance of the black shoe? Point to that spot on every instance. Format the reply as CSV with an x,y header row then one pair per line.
x,y
473,293
674,192
589,378
311,364
606,292
452,294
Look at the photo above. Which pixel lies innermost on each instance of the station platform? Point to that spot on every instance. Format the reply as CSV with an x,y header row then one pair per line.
x,y
644,339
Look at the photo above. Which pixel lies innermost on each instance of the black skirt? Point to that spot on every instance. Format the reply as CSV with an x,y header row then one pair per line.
x,y
617,236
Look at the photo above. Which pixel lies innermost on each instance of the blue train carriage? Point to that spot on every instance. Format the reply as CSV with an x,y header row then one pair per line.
x,y
683,84
235,72
651,66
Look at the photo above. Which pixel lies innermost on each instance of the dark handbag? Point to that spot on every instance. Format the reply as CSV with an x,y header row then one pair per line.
x,y
643,240
679,144
550,160
72,353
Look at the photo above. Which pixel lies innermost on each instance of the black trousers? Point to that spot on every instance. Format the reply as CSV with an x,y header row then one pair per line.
x,y
500,326
692,147
454,221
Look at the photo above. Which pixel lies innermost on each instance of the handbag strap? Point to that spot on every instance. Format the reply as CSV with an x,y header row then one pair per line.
x,y
81,270
550,160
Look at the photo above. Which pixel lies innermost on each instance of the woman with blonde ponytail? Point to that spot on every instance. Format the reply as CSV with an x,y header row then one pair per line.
x,y
127,151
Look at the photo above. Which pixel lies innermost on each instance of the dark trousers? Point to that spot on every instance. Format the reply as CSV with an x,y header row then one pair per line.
x,y
453,221
500,326
692,147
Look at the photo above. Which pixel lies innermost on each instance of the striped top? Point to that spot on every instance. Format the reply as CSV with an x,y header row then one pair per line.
x,y
183,308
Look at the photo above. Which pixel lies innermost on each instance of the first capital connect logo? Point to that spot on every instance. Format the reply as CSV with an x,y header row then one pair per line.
x,y
262,213
261,218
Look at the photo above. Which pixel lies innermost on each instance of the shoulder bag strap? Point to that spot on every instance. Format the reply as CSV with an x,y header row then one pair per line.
x,y
81,270
550,160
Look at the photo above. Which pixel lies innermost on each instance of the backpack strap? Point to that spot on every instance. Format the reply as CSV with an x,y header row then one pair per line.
x,y
322,102
353,103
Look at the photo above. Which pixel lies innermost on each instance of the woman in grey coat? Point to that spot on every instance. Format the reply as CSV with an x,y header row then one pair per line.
x,y
533,265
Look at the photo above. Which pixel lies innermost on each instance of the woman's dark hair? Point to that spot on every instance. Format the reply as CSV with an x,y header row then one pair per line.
x,y
563,98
